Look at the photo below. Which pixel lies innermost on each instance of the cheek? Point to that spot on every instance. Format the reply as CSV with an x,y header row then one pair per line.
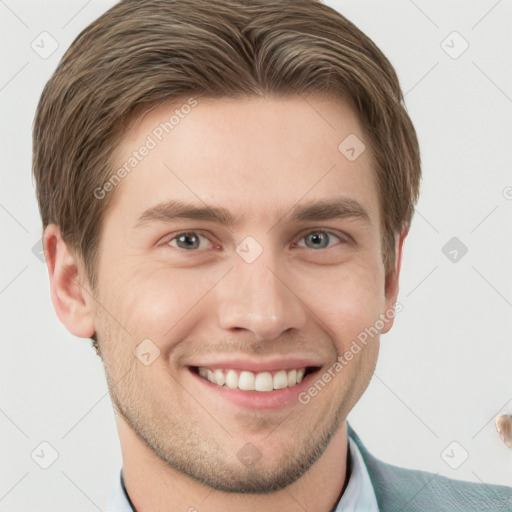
x,y
153,302
348,301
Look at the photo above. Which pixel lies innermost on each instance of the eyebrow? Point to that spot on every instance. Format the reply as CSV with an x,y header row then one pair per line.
x,y
314,210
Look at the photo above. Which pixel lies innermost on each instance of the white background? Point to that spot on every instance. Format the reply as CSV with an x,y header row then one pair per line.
x,y
444,370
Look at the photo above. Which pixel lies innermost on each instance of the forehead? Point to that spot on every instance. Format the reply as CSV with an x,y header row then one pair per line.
x,y
256,156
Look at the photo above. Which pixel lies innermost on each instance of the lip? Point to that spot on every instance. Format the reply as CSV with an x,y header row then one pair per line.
x,y
256,400
271,365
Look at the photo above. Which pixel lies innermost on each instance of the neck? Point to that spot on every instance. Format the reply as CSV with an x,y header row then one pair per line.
x,y
155,486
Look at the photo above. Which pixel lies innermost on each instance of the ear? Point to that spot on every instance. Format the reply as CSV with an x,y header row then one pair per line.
x,y
72,300
392,280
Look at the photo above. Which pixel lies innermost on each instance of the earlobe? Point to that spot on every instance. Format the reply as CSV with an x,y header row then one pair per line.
x,y
71,298
392,279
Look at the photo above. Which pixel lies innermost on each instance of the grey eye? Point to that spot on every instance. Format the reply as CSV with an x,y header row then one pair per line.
x,y
188,240
318,239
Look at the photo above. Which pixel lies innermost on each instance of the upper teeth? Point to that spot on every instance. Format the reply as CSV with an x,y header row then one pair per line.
x,y
249,381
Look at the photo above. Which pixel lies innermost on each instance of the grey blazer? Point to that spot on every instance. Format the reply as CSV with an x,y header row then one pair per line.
x,y
406,490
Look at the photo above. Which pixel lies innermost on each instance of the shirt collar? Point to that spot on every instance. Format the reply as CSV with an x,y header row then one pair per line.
x,y
119,501
359,495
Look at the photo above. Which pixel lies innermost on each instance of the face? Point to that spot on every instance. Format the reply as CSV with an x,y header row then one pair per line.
x,y
239,260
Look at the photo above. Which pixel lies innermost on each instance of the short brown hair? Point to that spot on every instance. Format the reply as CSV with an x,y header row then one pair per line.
x,y
145,52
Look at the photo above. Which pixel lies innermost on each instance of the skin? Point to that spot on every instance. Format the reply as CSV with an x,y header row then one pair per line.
x,y
303,297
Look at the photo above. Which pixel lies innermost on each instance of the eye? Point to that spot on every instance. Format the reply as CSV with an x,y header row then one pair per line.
x,y
318,240
189,240
194,240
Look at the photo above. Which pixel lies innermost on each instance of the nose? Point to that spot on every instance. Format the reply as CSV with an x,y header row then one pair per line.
x,y
257,297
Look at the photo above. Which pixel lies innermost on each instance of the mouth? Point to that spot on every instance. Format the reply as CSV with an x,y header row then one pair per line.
x,y
245,380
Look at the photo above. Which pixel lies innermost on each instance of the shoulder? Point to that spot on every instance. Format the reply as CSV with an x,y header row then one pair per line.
x,y
412,490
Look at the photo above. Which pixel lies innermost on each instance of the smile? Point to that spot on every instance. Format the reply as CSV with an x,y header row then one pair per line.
x,y
244,380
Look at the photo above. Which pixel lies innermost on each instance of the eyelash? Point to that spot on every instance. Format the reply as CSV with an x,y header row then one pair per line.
x,y
330,233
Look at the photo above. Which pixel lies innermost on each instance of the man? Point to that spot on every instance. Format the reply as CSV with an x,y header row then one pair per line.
x,y
225,189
